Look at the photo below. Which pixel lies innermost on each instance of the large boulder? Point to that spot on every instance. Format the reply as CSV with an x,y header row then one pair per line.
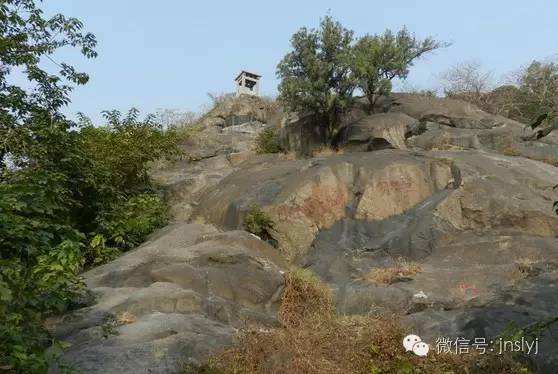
x,y
378,131
213,148
300,134
230,110
305,196
485,254
177,298
185,181
450,112
478,226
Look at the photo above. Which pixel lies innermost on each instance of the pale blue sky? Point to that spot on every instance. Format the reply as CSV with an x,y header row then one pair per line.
x,y
171,53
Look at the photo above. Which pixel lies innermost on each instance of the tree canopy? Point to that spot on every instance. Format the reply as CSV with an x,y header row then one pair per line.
x,y
326,65
381,58
316,75
67,199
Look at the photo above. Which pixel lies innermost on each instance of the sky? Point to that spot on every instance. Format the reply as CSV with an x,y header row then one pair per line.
x,y
169,54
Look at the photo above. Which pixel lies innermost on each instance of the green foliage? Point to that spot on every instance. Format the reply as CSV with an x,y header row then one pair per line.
x,y
27,38
70,195
267,141
129,222
98,252
538,90
204,368
326,65
378,59
40,261
315,75
73,202
533,99
108,178
258,222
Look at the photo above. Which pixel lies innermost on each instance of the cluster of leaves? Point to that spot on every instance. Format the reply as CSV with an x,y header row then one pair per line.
x,y
381,58
537,91
258,222
73,207
71,195
326,65
532,95
39,265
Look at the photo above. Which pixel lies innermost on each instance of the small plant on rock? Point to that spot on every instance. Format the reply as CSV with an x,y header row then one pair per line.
x,y
258,222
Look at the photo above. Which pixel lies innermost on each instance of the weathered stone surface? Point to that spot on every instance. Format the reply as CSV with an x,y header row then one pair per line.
x,y
236,110
485,250
303,197
177,298
377,131
449,112
459,195
218,152
300,134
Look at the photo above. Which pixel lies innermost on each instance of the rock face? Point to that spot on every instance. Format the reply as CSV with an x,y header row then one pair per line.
x,y
222,140
300,135
479,225
378,131
436,183
177,298
449,112
306,196
230,110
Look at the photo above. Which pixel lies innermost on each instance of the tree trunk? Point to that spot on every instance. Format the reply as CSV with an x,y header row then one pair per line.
x,y
371,102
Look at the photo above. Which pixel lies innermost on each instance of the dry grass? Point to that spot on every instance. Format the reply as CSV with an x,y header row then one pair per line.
x,y
511,150
326,151
200,220
524,267
401,270
305,298
124,318
551,160
290,156
313,339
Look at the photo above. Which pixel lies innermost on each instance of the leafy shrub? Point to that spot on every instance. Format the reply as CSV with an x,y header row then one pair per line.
x,y
40,261
61,183
98,252
267,141
315,74
71,202
258,222
325,66
129,222
378,59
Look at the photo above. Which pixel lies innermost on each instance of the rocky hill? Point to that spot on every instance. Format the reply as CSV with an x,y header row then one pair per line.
x,y
463,195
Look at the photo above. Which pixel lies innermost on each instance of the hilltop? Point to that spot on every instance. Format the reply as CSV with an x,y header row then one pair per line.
x,y
432,210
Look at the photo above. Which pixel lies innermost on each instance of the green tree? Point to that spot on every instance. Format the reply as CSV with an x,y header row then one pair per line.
x,y
378,59
40,251
316,75
27,43
538,90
